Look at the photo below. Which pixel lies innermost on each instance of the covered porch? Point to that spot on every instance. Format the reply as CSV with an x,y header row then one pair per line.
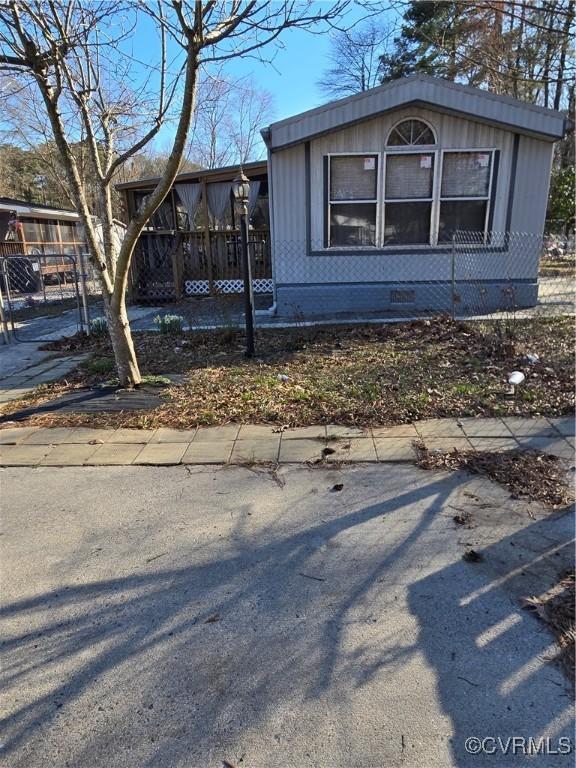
x,y
191,245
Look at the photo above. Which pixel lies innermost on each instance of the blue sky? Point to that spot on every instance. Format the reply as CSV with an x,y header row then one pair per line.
x,y
293,73
291,70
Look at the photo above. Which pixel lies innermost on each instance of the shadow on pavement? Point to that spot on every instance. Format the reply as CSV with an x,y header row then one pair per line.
x,y
251,628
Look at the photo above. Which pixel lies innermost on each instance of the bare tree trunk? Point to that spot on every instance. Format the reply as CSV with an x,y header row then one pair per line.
x,y
549,45
122,343
519,49
563,54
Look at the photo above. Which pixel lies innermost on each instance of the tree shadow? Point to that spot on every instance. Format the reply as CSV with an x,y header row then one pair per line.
x,y
494,664
211,647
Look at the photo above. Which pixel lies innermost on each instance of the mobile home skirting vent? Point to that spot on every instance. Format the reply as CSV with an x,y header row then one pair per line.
x,y
402,297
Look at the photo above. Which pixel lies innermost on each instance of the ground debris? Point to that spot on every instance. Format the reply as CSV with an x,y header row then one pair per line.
x,y
462,371
309,576
471,556
463,518
337,487
539,476
557,608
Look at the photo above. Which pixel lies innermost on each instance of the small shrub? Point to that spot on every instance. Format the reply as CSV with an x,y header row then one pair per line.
x,y
156,380
172,324
98,326
99,365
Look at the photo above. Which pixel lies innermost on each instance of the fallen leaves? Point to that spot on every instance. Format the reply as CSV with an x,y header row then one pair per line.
x,y
391,374
471,556
557,608
539,476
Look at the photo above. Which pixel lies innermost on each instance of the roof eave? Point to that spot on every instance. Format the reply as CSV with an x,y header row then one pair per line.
x,y
258,166
435,93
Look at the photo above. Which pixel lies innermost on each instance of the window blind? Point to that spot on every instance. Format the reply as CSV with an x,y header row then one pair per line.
x,y
353,177
409,176
466,174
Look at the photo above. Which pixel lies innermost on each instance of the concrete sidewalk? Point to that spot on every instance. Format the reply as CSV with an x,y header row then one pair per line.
x,y
246,444
23,367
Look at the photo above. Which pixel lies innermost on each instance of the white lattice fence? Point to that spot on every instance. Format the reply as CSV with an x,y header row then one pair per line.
x,y
202,287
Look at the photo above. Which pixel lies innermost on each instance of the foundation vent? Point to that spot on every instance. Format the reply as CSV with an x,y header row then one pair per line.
x,y
402,297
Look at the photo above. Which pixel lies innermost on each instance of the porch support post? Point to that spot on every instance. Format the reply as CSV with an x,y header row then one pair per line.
x,y
207,242
177,266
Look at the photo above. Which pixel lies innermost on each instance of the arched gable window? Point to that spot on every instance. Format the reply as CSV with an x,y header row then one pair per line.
x,y
411,133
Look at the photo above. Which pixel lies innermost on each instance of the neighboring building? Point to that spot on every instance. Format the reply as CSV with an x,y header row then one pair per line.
x,y
32,229
40,229
191,245
367,192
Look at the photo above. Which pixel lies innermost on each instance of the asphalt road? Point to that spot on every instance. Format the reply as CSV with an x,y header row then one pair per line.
x,y
186,616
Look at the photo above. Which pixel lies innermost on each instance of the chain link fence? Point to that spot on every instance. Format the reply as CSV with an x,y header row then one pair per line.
x,y
45,295
475,275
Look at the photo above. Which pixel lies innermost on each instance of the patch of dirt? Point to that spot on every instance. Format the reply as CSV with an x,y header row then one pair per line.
x,y
356,376
559,266
556,609
539,476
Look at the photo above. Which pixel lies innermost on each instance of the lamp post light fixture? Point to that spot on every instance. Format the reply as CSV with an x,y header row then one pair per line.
x,y
241,192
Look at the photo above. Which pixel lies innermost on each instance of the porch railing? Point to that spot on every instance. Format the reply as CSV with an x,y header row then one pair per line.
x,y
171,265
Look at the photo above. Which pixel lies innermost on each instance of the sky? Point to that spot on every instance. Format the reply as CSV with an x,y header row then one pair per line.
x,y
290,73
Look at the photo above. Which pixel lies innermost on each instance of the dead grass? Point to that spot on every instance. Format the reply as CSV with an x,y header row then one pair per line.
x,y
558,266
556,608
362,376
539,476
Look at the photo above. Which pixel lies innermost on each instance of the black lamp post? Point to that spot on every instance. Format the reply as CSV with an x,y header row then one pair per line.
x,y
241,192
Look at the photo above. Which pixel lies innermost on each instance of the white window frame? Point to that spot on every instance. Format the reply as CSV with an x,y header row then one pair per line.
x,y
381,200
376,201
404,147
487,198
410,151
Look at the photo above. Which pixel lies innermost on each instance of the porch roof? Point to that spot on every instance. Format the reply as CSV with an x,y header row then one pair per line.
x,y
227,173
36,210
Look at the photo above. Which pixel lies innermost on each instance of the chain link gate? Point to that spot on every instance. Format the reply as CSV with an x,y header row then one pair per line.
x,y
42,296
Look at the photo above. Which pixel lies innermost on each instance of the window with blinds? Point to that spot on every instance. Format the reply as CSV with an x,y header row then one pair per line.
x,y
353,177
353,200
408,193
466,174
418,199
464,193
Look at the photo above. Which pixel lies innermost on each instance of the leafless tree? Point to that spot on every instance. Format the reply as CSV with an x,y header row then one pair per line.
x,y
229,115
355,58
254,108
74,54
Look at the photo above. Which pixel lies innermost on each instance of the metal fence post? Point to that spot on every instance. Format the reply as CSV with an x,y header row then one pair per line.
x,y
453,279
248,294
3,323
85,308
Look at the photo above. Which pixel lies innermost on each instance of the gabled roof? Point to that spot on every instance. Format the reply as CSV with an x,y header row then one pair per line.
x,y
422,90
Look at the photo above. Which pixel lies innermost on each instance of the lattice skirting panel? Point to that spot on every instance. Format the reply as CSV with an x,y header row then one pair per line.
x,y
202,287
